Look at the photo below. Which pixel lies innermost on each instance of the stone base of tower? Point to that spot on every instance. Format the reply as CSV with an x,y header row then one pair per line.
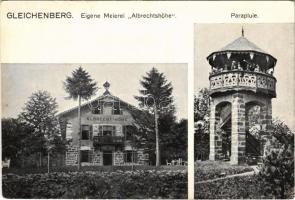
x,y
240,102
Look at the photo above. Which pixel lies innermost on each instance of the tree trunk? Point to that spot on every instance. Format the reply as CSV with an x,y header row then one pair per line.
x,y
157,137
40,160
48,162
282,193
79,138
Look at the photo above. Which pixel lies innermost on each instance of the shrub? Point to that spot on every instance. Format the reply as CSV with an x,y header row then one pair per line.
x,y
244,187
97,185
277,170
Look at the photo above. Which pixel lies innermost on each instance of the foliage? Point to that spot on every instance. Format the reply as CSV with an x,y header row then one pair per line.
x,y
174,145
278,164
202,105
30,170
156,92
243,187
97,185
80,84
39,114
201,117
15,139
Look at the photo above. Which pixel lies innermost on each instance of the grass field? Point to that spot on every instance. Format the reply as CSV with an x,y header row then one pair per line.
x,y
228,187
205,170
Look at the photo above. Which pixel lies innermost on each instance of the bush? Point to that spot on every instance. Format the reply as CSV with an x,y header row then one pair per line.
x,y
40,170
118,184
244,187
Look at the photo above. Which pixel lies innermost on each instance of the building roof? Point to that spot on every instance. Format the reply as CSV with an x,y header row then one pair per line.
x,y
242,44
106,94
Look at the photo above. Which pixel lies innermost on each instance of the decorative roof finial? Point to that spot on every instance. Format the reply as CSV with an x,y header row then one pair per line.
x,y
106,86
242,31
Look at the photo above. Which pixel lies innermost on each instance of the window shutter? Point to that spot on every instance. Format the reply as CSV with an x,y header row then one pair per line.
x,y
119,130
69,131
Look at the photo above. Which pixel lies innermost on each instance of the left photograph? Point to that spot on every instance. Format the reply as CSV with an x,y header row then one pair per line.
x,y
94,130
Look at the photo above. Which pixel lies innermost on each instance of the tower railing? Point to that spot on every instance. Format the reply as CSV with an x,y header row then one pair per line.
x,y
243,80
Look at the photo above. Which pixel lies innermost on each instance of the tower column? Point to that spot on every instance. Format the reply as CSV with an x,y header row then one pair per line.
x,y
212,132
215,139
266,125
238,140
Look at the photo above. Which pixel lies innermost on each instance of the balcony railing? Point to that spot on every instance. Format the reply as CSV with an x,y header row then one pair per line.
x,y
243,80
107,140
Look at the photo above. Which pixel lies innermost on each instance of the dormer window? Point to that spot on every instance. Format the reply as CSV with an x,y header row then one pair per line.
x,y
96,107
116,110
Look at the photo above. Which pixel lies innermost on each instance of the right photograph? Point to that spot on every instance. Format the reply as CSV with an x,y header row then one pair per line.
x,y
244,111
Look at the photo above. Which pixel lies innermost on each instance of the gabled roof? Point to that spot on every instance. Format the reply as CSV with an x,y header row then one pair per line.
x,y
242,44
105,95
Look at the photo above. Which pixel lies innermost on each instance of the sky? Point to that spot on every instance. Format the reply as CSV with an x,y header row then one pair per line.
x,y
19,81
275,39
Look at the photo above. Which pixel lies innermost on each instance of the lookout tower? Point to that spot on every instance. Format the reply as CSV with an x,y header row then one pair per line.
x,y
241,88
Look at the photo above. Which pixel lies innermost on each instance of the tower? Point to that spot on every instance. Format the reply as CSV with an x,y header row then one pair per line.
x,y
241,88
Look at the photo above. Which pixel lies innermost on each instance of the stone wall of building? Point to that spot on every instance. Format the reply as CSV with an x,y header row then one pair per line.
x,y
142,158
72,155
118,158
238,140
239,104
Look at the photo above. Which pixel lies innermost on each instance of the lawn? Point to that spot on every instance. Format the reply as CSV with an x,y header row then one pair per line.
x,y
205,170
240,187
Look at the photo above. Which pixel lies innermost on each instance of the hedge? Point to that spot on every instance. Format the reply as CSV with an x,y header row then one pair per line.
x,y
96,185
67,169
243,187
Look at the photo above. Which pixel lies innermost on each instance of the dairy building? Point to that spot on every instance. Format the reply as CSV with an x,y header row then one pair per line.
x,y
107,133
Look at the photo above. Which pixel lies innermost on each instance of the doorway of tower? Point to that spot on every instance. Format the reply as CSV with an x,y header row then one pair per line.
x,y
107,158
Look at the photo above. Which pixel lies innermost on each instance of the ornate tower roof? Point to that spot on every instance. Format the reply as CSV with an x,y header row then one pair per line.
x,y
242,44
242,49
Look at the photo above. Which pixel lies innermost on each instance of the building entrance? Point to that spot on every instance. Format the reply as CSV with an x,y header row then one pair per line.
x,y
107,158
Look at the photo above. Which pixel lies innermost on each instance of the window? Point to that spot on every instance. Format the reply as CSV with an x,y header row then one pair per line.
x,y
130,156
96,107
86,132
84,156
116,108
106,130
128,132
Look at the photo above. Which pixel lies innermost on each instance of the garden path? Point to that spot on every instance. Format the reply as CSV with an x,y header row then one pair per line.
x,y
255,171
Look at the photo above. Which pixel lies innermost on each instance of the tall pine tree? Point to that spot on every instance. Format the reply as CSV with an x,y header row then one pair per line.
x,y
156,97
80,86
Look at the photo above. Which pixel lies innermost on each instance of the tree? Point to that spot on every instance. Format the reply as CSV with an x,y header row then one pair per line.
x,y
80,86
15,139
277,170
175,142
156,97
202,105
201,118
39,114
